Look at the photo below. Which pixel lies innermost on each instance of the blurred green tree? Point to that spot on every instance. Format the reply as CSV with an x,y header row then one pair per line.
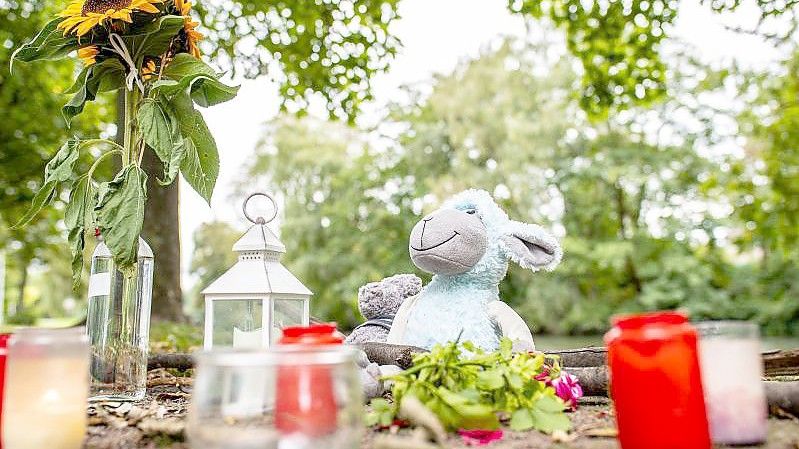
x,y
213,255
31,129
339,228
629,194
618,42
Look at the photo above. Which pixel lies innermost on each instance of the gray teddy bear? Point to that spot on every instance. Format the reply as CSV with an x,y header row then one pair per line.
x,y
378,303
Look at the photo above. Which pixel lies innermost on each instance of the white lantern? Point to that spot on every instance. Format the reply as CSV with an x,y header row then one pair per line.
x,y
249,305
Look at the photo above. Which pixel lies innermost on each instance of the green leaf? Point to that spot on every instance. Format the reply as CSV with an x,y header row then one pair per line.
x,y
490,380
41,199
61,166
521,419
160,130
210,91
200,165
101,77
548,415
120,215
184,64
50,43
550,404
77,218
478,416
187,73
59,169
154,38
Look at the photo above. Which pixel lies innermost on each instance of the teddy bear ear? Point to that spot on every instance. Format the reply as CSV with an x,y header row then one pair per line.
x,y
531,246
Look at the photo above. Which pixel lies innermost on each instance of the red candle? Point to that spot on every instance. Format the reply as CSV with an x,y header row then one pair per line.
x,y
655,382
3,351
305,401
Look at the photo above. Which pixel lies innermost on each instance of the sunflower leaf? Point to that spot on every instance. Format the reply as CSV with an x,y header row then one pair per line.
x,y
160,130
50,43
101,77
58,170
200,164
187,73
210,92
78,218
154,38
184,64
120,215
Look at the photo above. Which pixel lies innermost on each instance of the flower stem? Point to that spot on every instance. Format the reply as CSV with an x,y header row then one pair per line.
x,y
130,141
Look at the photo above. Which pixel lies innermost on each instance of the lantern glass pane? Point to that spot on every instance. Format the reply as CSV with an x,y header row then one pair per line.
x,y
238,323
288,312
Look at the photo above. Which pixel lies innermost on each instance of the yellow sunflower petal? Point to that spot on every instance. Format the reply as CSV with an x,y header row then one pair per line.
x,y
146,7
68,24
73,9
122,14
87,25
88,54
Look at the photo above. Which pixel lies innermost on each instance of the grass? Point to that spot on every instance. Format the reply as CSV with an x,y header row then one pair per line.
x,y
166,336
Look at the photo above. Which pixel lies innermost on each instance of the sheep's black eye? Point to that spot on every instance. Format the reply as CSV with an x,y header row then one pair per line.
x,y
471,211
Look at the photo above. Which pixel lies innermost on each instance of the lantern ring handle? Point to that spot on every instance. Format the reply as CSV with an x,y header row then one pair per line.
x,y
259,220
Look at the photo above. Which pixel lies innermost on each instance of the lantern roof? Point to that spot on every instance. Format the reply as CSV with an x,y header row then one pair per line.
x,y
259,238
258,270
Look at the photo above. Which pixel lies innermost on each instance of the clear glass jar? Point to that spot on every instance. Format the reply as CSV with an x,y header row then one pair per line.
x,y
118,325
291,396
46,386
732,369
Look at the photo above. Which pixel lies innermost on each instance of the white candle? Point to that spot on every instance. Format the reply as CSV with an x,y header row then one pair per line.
x,y
46,390
731,378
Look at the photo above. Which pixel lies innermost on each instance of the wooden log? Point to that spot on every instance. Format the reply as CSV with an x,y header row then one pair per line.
x,y
179,361
593,379
581,357
776,363
781,395
781,363
389,354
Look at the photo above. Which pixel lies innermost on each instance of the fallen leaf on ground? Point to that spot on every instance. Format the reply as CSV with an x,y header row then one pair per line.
x,y
602,432
559,436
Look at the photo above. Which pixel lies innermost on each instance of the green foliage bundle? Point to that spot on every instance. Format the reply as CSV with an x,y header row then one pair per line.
x,y
148,50
468,388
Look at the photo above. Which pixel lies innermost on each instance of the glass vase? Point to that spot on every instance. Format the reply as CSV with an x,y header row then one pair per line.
x,y
118,325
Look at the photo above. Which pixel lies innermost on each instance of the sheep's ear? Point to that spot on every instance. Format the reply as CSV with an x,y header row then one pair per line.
x,y
531,247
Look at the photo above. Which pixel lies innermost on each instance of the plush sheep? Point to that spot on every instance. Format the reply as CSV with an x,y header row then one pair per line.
x,y
467,245
379,302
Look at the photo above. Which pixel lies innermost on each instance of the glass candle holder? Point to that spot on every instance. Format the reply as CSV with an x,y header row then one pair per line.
x,y
3,351
239,399
732,371
46,389
655,382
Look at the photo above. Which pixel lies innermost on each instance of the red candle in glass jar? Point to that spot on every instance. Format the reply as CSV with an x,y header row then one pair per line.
x,y
305,401
655,382
3,351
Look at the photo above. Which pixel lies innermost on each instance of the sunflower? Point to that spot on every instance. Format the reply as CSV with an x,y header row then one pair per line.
x,y
88,54
83,15
192,36
149,70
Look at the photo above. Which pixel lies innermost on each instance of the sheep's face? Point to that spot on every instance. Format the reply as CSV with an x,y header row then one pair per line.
x,y
448,241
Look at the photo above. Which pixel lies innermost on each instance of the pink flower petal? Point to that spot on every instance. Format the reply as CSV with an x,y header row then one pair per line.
x,y
479,437
568,388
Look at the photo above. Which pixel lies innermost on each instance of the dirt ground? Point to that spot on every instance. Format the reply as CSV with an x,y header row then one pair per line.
x,y
158,421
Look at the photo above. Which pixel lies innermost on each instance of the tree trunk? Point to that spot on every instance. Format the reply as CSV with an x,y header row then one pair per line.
x,y
162,231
